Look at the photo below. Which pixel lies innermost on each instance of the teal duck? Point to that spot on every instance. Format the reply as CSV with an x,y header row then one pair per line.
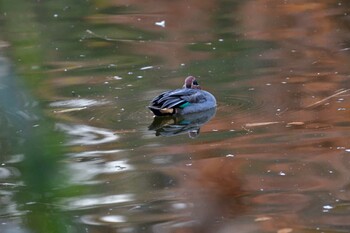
x,y
186,100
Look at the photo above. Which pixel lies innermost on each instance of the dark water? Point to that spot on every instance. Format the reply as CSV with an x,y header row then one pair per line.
x,y
76,151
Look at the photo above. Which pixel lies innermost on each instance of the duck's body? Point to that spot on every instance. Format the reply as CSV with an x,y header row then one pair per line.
x,y
187,100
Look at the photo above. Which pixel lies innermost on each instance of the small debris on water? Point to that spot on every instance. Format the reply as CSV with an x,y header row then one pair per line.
x,y
327,208
146,68
118,167
160,23
262,219
282,173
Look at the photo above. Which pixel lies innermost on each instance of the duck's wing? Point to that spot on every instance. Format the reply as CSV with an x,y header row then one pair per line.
x,y
175,98
196,97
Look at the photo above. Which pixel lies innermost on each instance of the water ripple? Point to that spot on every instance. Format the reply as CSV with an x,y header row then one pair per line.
x,y
87,135
243,104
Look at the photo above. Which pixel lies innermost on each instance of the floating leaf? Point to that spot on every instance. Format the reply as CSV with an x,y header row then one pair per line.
x,y
69,110
285,230
296,123
261,124
261,219
327,98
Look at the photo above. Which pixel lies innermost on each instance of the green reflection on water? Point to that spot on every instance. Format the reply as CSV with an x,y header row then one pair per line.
x,y
42,182
42,176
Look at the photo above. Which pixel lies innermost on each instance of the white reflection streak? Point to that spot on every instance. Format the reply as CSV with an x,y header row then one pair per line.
x,y
87,135
74,103
117,166
85,171
113,218
90,202
97,153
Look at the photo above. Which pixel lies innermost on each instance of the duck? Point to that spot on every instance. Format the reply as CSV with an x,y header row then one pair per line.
x,y
189,99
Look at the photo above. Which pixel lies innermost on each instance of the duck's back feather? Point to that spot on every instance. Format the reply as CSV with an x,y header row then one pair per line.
x,y
171,99
177,98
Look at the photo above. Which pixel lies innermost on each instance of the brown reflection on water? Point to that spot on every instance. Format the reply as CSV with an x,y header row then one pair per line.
x,y
311,39
185,22
213,186
292,172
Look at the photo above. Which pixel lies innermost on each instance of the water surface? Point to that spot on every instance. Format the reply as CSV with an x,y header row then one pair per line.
x,y
77,150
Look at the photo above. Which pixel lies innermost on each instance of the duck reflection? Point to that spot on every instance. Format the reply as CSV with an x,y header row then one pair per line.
x,y
176,125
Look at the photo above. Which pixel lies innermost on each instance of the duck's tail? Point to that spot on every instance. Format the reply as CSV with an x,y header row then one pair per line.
x,y
162,111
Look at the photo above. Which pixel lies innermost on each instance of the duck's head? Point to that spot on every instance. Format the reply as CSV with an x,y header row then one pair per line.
x,y
191,82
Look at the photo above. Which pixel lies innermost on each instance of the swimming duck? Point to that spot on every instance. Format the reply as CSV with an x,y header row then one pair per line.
x,y
186,100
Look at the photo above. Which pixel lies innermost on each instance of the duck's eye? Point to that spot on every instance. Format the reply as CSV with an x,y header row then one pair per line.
x,y
195,83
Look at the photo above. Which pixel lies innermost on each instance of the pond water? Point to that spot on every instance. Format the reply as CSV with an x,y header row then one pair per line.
x,y
80,151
